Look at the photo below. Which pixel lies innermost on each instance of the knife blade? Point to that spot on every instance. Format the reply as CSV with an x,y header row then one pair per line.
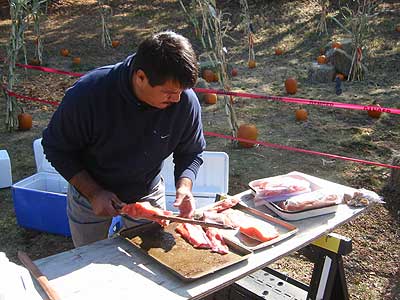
x,y
193,221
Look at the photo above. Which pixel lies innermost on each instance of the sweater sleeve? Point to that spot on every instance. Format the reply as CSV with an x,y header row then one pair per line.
x,y
67,133
188,154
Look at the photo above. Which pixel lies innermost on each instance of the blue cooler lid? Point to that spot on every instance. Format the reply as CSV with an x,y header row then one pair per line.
x,y
42,164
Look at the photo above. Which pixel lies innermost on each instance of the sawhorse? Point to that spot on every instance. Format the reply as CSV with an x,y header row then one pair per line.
x,y
327,282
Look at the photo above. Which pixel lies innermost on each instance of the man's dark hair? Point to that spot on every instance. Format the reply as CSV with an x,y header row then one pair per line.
x,y
167,56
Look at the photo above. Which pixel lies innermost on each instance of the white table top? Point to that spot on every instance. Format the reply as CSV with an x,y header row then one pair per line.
x,y
113,269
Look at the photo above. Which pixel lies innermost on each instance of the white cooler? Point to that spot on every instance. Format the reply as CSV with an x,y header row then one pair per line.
x,y
5,170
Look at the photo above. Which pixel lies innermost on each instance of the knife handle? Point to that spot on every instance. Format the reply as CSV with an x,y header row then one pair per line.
x,y
38,275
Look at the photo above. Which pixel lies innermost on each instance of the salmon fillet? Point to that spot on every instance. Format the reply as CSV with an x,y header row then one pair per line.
x,y
194,234
144,210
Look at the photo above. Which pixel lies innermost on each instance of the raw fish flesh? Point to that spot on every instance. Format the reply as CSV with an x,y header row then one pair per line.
x,y
144,210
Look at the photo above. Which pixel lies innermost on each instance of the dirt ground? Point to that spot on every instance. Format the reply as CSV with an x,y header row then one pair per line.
x,y
373,267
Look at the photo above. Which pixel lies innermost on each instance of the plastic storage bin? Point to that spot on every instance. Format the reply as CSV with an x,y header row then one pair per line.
x,y
5,170
40,200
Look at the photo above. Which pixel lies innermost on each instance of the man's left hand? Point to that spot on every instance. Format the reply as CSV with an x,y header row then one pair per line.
x,y
184,198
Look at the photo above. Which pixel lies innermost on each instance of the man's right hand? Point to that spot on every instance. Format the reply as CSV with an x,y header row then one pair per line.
x,y
106,203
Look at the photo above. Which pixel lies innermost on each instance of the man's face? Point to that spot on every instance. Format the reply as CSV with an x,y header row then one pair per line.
x,y
159,96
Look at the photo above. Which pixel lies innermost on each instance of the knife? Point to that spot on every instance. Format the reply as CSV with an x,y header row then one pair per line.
x,y
194,222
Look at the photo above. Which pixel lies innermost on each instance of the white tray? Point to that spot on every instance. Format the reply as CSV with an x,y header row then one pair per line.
x,y
303,214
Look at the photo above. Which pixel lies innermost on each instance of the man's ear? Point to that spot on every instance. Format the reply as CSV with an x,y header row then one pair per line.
x,y
141,77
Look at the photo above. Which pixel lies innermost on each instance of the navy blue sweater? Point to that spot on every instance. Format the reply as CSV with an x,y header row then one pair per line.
x,y
101,127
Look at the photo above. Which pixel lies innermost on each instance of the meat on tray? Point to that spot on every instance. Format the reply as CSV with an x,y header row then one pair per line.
x,y
252,227
211,239
280,185
144,210
224,204
317,199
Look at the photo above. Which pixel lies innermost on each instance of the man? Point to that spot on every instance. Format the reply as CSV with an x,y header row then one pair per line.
x,y
117,124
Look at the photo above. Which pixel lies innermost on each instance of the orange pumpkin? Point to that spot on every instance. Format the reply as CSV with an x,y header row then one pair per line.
x,y
210,98
208,75
76,60
216,77
301,114
337,45
234,72
291,85
251,64
322,60
248,132
115,43
34,62
376,114
341,76
278,51
24,121
64,52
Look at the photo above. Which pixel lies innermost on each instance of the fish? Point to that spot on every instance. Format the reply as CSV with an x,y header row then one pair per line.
x,y
281,185
194,234
316,199
217,241
144,210
224,204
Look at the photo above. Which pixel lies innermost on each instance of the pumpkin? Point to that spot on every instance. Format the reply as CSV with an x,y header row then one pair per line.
x,y
210,98
216,77
341,76
301,114
115,43
291,85
278,51
64,52
322,60
24,121
376,114
248,132
251,64
76,60
234,72
34,62
208,75
337,45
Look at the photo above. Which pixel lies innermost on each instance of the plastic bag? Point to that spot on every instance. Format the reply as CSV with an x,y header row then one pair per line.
x,y
362,198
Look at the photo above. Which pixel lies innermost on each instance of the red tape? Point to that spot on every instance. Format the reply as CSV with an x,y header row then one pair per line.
x,y
12,94
50,70
301,101
277,146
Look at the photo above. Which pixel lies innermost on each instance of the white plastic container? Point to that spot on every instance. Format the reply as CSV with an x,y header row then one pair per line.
x,y
5,170
212,179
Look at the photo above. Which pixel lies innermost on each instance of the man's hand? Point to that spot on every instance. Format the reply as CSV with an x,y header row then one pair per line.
x,y
184,198
106,203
